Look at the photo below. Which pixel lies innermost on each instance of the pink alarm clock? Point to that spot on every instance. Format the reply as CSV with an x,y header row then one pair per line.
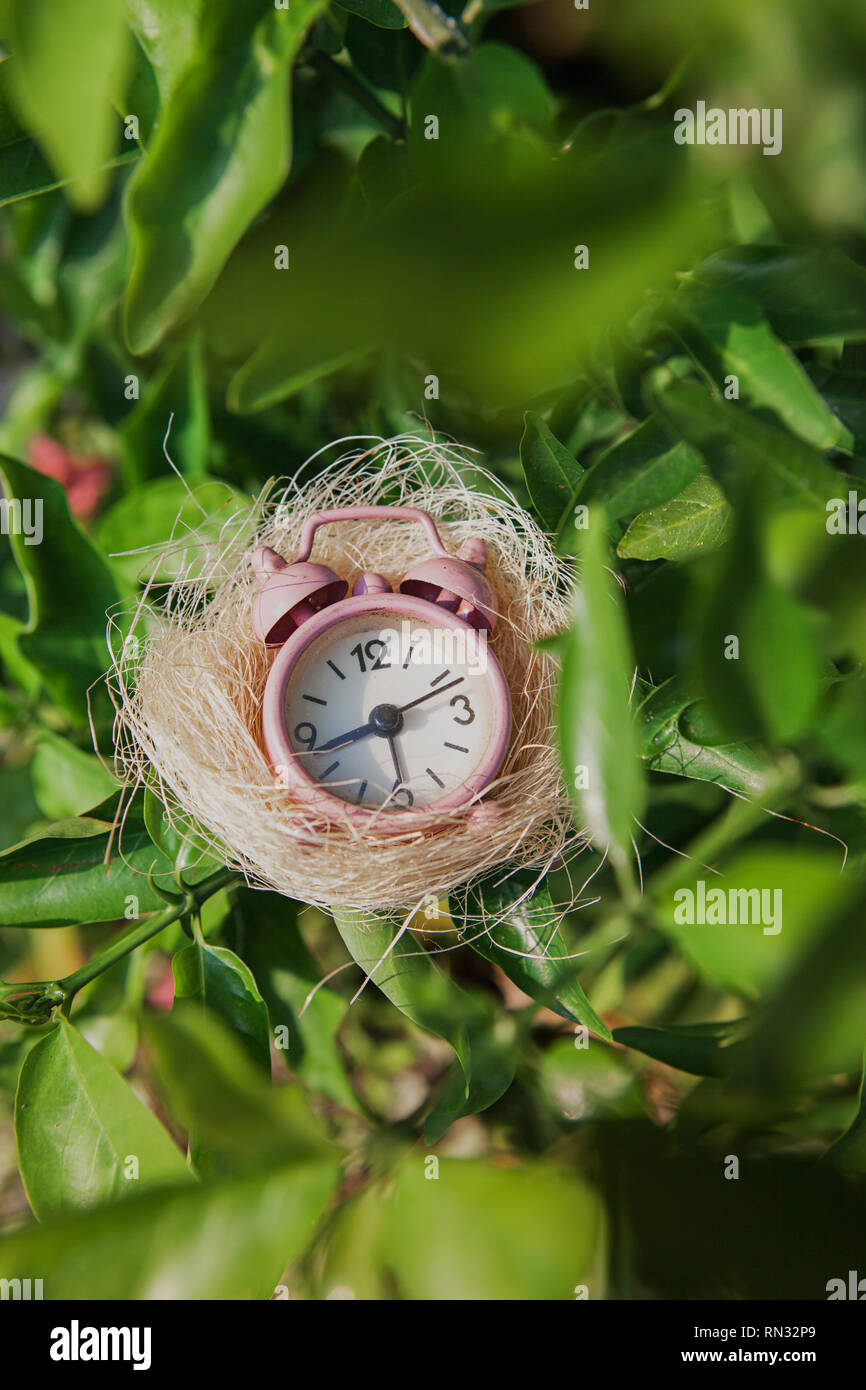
x,y
382,701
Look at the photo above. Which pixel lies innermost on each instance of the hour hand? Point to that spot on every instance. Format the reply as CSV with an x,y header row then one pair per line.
x,y
341,740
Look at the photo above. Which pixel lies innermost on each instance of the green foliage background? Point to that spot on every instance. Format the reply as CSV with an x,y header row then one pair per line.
x,y
145,251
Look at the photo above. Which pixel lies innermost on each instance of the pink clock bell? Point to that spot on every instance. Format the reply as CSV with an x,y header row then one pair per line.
x,y
382,702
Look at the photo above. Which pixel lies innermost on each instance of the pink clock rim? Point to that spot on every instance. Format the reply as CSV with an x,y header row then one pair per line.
x,y
280,752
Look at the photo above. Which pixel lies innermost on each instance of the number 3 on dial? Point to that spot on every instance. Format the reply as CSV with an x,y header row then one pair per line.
x,y
463,702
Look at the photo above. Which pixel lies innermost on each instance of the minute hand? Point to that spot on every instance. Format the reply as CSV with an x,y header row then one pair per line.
x,y
342,739
430,693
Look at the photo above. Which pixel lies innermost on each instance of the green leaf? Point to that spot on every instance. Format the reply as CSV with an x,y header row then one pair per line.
x,y
597,737
798,892
178,397
82,871
698,1048
279,368
525,942
146,518
541,1251
177,837
812,1027
168,31
641,471
479,98
220,1096
383,13
220,980
164,1246
739,447
728,334
65,69
400,967
69,588
698,519
91,274
769,684
286,974
79,1125
809,294
23,170
66,780
405,1238
671,743
229,119
551,472
849,1151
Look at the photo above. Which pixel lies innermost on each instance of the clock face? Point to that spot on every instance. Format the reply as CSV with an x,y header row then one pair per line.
x,y
393,713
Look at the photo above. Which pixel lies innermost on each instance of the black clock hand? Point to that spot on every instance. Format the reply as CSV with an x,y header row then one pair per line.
x,y
392,744
342,739
352,735
430,693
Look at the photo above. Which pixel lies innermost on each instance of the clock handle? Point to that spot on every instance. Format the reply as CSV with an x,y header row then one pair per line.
x,y
395,513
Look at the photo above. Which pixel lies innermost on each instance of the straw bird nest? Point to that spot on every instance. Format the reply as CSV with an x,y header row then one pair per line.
x,y
189,675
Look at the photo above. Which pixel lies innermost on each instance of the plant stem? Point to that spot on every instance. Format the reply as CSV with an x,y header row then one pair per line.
x,y
432,26
48,994
143,931
362,96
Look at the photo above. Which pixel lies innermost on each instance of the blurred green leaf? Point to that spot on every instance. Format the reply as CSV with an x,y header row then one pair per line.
x,y
406,1238
551,472
146,519
849,1151
64,71
400,967
209,1081
66,780
797,893
739,447
813,1024
168,31
809,294
693,1235
114,1036
229,119
218,979
478,98
287,975
23,170
699,1048
525,941
643,470
164,1246
597,737
177,397
544,1248
69,589
760,662
697,519
84,1137
584,1083
91,274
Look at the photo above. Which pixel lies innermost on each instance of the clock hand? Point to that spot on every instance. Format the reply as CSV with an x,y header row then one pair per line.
x,y
430,693
342,739
352,735
392,744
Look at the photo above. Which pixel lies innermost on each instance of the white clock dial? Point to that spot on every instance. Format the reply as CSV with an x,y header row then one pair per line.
x,y
376,726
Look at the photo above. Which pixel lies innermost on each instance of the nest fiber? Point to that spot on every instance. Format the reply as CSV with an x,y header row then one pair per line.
x,y
189,677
